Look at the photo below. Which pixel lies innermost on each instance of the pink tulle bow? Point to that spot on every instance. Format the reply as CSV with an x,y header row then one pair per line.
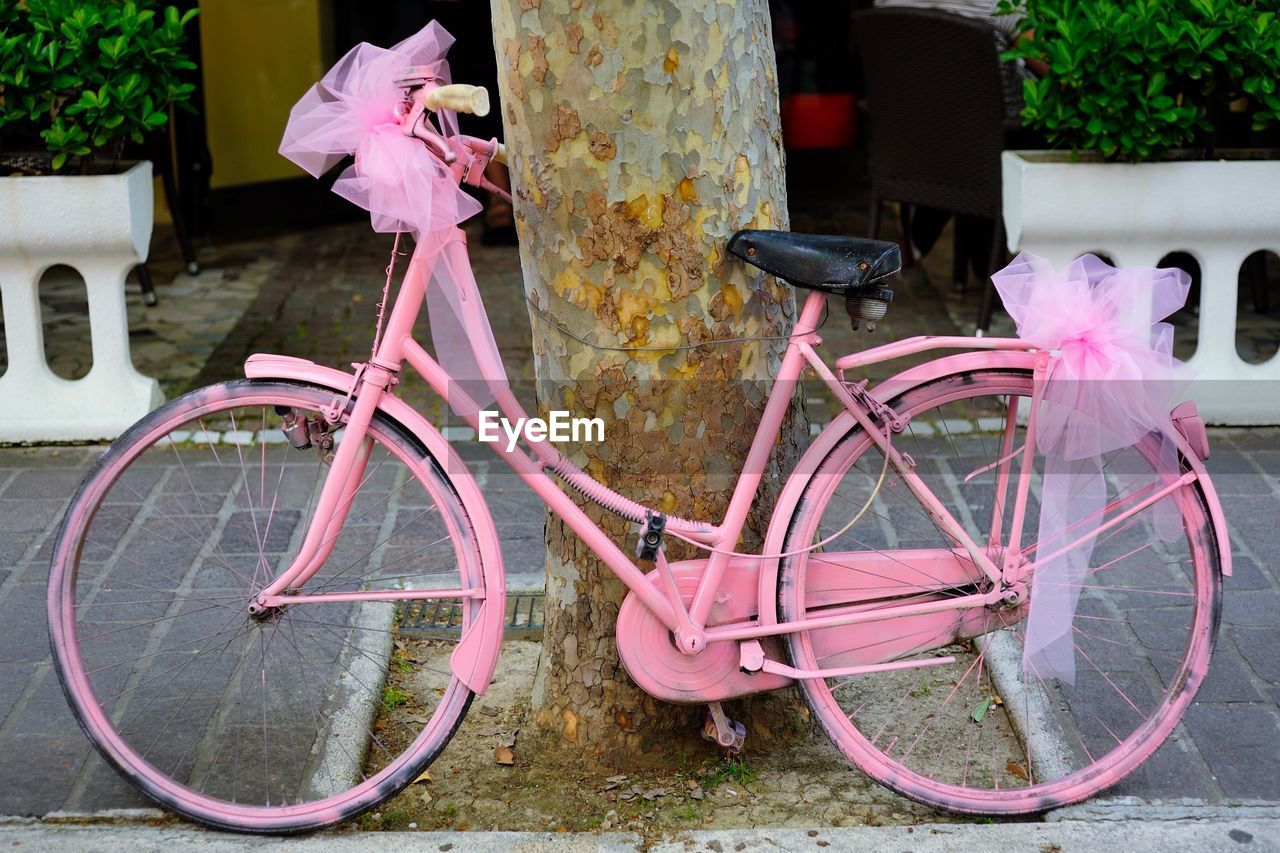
x,y
1113,380
352,111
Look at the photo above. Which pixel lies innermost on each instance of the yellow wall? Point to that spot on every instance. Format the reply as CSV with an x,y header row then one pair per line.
x,y
259,56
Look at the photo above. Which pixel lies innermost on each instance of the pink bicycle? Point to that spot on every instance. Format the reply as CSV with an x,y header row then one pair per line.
x,y
228,583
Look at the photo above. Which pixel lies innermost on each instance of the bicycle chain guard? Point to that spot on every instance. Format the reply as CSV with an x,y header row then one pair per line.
x,y
649,653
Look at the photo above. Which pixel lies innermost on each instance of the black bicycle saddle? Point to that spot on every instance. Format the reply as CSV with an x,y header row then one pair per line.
x,y
818,261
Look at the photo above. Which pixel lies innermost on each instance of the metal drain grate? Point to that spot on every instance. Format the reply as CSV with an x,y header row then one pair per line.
x,y
444,618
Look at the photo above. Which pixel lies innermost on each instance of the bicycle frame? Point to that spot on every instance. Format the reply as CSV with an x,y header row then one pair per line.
x,y
369,391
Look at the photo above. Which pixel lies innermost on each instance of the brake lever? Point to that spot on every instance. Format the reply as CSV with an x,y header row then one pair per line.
x,y
466,156
412,114
437,143
480,153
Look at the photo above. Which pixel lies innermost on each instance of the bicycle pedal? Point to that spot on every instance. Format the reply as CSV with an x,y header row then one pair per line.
x,y
728,734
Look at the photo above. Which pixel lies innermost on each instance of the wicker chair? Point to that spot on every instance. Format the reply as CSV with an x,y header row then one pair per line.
x,y
936,99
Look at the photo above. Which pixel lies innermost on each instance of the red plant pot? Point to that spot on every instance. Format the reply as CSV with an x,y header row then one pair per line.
x,y
813,120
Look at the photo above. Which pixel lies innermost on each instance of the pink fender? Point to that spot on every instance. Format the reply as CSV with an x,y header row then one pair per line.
x,y
476,656
887,390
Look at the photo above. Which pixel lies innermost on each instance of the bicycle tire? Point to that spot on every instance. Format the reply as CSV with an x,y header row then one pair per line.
x,y
312,772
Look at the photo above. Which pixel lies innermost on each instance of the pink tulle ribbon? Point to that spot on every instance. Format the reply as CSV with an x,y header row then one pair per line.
x,y
352,111
405,188
1113,380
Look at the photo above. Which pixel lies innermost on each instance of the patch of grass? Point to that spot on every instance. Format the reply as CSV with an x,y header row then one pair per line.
x,y
728,770
396,819
400,662
393,697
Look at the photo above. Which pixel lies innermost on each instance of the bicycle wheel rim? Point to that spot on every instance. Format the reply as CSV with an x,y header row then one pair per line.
x,y
922,776
380,771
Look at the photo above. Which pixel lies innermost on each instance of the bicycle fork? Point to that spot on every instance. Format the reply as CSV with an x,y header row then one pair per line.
x,y
340,485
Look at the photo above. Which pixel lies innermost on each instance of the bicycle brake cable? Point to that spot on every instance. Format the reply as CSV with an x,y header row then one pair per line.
x,y
386,292
538,312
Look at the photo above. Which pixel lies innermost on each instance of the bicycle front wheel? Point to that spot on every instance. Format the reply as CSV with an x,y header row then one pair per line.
x,y
981,735
283,721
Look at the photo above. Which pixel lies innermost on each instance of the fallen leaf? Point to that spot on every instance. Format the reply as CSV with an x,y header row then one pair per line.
x,y
491,731
504,756
509,738
424,776
1017,770
691,785
978,713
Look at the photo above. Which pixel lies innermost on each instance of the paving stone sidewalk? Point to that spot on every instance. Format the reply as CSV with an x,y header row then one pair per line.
x,y
318,303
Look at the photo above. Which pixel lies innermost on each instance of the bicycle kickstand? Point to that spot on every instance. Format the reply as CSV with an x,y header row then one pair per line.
x,y
729,734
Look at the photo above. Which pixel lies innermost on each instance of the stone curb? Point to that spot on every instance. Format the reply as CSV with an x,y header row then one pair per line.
x,y
1245,833
1135,808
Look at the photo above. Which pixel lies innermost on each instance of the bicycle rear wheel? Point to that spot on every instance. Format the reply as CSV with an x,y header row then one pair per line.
x,y
980,735
294,719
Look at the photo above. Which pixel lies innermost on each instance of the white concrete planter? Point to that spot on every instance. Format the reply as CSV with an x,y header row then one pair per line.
x,y
100,226
1219,211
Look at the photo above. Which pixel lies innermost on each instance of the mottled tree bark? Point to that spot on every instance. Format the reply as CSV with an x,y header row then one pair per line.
x,y
642,135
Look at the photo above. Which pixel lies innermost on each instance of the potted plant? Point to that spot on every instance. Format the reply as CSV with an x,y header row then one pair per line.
x,y
1142,95
78,79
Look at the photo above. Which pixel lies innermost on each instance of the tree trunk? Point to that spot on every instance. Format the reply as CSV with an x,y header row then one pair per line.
x,y
641,137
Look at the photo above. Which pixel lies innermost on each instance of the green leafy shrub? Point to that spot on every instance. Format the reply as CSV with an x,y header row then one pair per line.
x,y
1132,79
85,75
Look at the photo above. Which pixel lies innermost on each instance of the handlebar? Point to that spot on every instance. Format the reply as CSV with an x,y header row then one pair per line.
x,y
458,97
467,157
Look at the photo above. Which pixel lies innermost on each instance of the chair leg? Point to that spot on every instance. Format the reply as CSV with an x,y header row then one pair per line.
x,y
148,285
873,218
179,224
995,262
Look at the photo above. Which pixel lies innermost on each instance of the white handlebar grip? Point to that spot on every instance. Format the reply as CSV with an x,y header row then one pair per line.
x,y
460,98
